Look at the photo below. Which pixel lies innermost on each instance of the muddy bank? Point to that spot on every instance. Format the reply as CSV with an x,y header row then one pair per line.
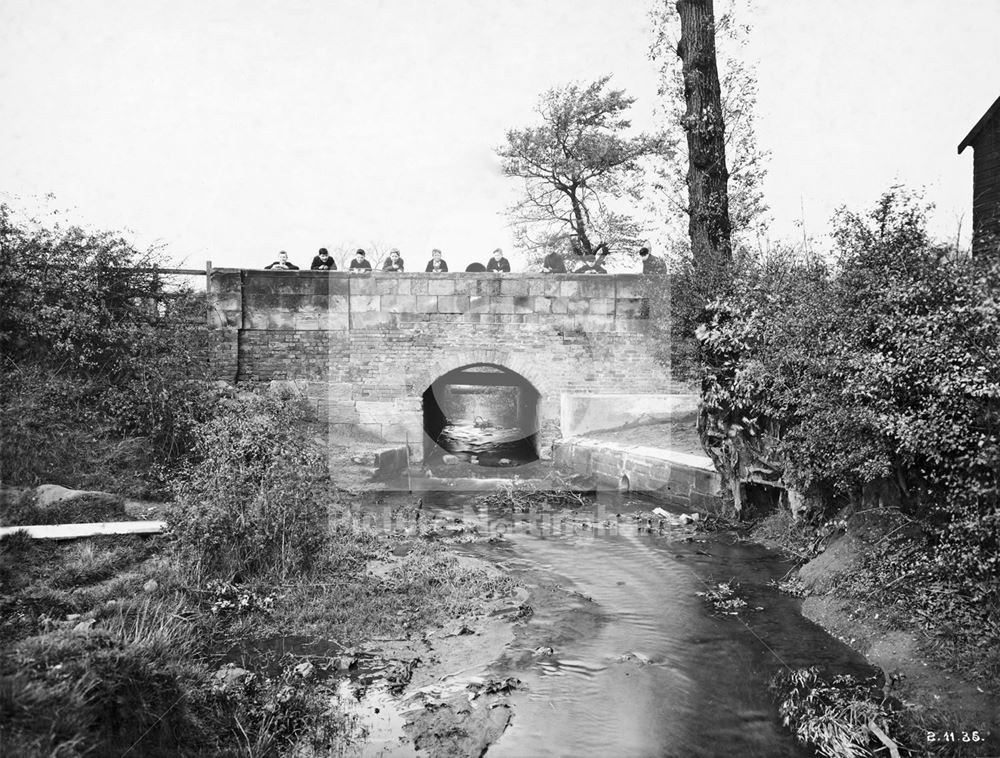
x,y
909,655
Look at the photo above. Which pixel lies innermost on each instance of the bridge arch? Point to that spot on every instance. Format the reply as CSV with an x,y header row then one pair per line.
x,y
481,411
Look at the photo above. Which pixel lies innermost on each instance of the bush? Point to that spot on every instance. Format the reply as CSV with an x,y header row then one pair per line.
x,y
878,372
101,362
255,503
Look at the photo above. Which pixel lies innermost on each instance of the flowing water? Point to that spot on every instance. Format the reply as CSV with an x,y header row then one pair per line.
x,y
639,664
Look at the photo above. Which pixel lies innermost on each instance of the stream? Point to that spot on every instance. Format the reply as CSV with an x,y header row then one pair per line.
x,y
639,664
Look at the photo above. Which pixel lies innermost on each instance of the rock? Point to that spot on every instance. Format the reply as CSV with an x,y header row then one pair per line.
x,y
47,494
84,626
505,462
150,587
449,460
541,652
304,669
457,629
229,676
660,512
73,617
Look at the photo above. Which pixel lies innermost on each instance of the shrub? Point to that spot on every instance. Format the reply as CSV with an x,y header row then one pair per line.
x,y
880,368
255,503
95,352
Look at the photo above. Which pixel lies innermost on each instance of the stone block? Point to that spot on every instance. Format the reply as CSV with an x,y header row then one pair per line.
x,y
399,303
560,305
339,304
515,286
597,285
309,322
426,303
578,306
487,284
369,319
479,304
547,285
418,286
339,285
501,304
386,284
440,285
569,288
524,304
631,308
629,285
453,304
542,305
363,284
364,303
602,306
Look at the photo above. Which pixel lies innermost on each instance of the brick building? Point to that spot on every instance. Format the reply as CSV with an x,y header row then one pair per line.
x,y
985,140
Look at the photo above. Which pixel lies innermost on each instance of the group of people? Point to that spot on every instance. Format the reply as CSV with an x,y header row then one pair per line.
x,y
554,263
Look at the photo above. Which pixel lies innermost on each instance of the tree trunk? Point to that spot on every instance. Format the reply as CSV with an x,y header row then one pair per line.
x,y
707,177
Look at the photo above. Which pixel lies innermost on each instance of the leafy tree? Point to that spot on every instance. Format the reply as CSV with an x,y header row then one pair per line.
x,y
746,161
580,169
704,124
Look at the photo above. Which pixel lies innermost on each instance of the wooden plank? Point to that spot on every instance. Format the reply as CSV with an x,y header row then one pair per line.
x,y
76,531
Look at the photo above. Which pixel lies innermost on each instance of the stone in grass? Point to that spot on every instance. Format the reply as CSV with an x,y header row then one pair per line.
x,y
151,586
450,460
229,676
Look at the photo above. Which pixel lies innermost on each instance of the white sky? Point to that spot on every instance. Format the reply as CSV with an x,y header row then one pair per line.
x,y
234,128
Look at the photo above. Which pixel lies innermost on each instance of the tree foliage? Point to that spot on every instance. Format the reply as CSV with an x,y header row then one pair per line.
x,y
746,161
95,351
581,170
880,369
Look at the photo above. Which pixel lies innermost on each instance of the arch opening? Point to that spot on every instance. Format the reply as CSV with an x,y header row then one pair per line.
x,y
483,414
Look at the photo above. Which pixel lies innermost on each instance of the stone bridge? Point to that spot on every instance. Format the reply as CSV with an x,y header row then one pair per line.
x,y
376,348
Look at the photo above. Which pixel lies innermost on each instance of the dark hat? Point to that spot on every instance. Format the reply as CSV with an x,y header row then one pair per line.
x,y
360,252
643,251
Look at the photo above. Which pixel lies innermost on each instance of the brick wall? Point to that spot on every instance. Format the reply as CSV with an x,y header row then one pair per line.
x,y
370,345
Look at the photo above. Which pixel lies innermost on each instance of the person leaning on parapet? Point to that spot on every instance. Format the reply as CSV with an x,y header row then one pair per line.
x,y
282,264
553,263
436,264
592,264
393,262
498,263
359,265
650,263
323,261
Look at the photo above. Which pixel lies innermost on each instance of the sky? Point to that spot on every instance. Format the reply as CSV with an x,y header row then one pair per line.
x,y
230,130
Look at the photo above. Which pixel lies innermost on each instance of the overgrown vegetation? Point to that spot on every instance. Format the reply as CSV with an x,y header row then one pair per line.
x,y
255,503
101,361
840,718
870,383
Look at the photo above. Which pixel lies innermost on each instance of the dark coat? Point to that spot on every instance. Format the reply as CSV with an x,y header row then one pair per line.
x,y
498,265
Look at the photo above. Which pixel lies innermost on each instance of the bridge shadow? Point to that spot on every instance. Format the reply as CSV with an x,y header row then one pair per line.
x,y
483,414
